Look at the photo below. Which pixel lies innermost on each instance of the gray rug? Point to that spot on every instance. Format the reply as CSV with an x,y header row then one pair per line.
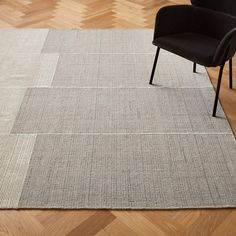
x,y
81,128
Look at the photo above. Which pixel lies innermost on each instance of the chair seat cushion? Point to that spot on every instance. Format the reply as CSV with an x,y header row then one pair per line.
x,y
192,46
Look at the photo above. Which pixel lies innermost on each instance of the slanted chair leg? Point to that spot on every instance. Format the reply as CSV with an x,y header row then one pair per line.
x,y
218,90
231,74
154,65
194,67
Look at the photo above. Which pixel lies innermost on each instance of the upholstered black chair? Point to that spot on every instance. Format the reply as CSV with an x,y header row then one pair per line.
x,y
204,32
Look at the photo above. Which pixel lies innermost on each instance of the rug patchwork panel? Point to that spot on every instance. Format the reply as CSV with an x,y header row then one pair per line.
x,y
80,127
98,169
27,70
125,71
89,110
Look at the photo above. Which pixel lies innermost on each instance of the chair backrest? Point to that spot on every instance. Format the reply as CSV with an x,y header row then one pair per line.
x,y
224,6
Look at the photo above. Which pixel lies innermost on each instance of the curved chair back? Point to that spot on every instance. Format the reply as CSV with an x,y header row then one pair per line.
x,y
224,6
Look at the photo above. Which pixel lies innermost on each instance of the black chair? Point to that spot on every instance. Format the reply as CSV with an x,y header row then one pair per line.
x,y
204,32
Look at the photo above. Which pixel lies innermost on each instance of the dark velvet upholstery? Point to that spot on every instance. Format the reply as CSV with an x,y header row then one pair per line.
x,y
225,6
191,46
204,32
205,28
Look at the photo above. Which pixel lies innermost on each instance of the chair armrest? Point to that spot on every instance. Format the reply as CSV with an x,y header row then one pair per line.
x,y
173,19
226,48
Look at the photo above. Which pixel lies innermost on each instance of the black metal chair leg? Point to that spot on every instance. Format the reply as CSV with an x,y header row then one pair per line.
x,y
218,90
154,65
194,67
231,74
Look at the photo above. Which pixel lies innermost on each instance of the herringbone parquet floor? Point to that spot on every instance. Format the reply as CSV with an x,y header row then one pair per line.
x,y
108,14
80,13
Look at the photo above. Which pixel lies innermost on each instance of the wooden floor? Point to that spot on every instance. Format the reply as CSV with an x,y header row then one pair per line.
x,y
109,14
